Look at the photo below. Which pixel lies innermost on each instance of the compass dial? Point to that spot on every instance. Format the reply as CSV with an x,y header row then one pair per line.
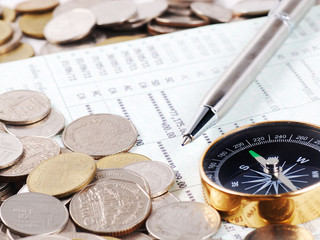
x,y
265,159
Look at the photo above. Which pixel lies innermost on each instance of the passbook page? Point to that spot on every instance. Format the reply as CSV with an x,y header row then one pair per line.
x,y
158,83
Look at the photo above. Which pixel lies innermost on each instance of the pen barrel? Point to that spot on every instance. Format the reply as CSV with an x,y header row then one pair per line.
x,y
245,68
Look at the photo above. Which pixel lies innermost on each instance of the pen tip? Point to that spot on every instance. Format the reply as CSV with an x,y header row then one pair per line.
x,y
186,139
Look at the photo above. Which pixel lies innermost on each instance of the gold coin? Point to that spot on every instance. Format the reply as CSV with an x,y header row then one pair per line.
x,y
120,160
62,175
120,39
23,51
36,6
8,14
33,24
6,32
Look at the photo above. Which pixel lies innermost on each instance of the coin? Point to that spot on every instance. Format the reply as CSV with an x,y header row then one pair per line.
x,y
118,39
155,29
280,231
33,24
253,7
46,237
8,14
212,12
147,10
100,135
67,6
91,40
36,150
136,236
62,175
47,127
36,6
110,207
123,175
13,42
23,106
70,26
22,51
1,11
128,26
120,160
10,150
163,200
6,32
113,12
180,11
184,220
181,21
159,176
34,213
81,235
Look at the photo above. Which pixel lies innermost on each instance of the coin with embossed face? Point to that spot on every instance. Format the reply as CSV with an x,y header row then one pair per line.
x,y
62,175
36,150
184,220
23,107
159,176
47,127
33,214
11,150
100,135
110,207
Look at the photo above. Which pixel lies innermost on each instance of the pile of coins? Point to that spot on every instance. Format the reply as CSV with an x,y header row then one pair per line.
x,y
92,189
81,23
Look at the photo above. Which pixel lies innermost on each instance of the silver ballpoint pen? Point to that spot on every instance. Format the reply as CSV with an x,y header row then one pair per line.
x,y
245,68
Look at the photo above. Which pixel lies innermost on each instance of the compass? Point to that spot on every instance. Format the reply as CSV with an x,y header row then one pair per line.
x,y
265,173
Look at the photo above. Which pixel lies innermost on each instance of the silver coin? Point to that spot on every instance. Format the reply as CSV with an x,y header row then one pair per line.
x,y
127,26
13,42
113,12
156,29
253,7
36,150
183,220
91,40
163,200
123,175
110,207
47,127
181,21
159,176
100,135
179,11
212,12
46,237
20,107
70,26
25,189
11,150
147,10
34,214
136,236
67,6
81,235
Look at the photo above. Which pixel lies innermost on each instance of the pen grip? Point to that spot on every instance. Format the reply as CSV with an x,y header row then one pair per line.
x,y
245,68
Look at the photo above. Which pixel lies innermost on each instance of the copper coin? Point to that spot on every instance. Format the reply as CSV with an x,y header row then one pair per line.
x,y
181,21
23,107
47,127
184,220
123,175
11,150
46,213
158,175
280,231
100,135
110,207
36,150
34,6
